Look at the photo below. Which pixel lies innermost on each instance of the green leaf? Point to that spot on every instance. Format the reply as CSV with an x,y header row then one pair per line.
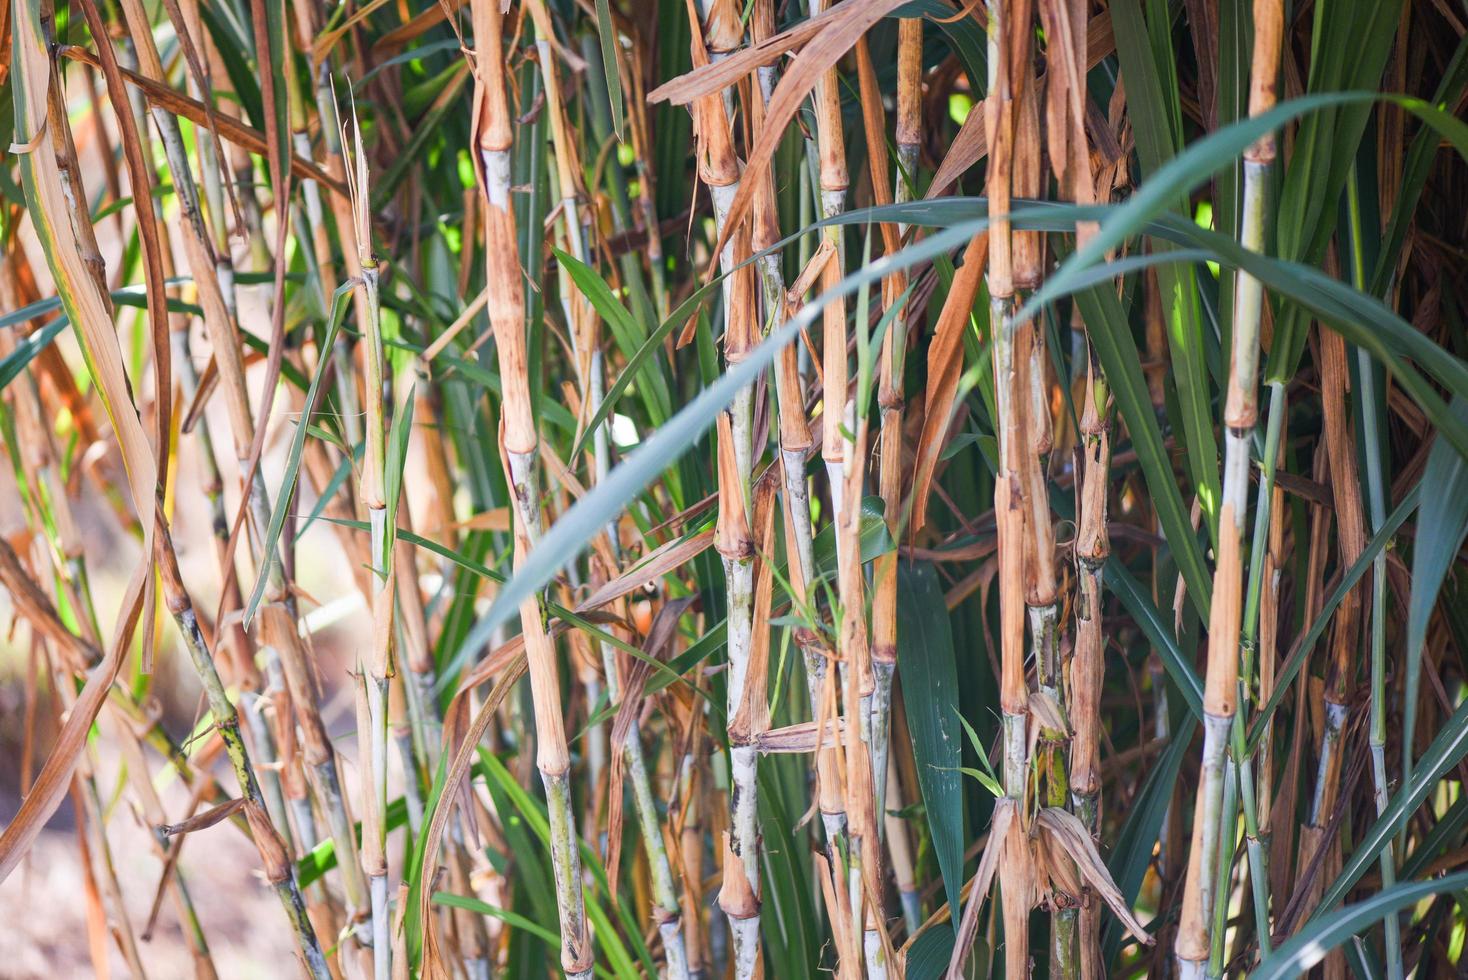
x,y
608,36
628,333
928,957
397,456
1445,511
28,347
509,918
1140,607
930,693
1310,945
1133,854
1450,745
1202,160
1305,643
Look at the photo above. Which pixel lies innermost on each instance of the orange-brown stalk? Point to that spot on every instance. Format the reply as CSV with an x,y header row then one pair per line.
x,y
491,129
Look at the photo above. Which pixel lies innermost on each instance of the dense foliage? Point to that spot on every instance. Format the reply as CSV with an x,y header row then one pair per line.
x,y
754,487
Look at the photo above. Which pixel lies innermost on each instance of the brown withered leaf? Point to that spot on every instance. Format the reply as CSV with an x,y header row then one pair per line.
x,y
970,145
945,364
1070,835
649,568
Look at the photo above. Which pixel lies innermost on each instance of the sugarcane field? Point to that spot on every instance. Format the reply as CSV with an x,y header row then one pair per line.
x,y
733,489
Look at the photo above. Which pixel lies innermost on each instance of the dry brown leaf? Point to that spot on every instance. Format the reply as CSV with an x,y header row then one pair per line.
x,y
1067,832
1005,812
945,364
650,568
844,26
970,145
230,128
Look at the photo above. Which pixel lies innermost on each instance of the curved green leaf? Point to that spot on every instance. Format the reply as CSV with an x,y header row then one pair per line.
x,y
1310,945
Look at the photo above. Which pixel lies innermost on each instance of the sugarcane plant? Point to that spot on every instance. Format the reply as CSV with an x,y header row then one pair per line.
x,y
368,360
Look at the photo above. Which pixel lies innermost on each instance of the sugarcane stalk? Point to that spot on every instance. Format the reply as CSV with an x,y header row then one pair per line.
x,y
834,180
909,132
864,873
279,869
374,669
1255,791
739,895
795,441
1008,492
520,442
1088,663
687,818
1240,413
1032,402
665,894
1376,494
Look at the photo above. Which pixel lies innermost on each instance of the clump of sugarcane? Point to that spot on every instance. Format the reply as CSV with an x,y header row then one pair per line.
x,y
491,127
33,455
87,307
217,300
1240,415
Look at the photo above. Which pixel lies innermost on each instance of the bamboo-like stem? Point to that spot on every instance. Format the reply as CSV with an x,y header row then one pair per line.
x,y
374,669
279,869
890,401
520,441
687,817
1008,495
1088,664
795,439
739,896
909,132
1240,413
664,891
834,180
1376,492
1255,791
